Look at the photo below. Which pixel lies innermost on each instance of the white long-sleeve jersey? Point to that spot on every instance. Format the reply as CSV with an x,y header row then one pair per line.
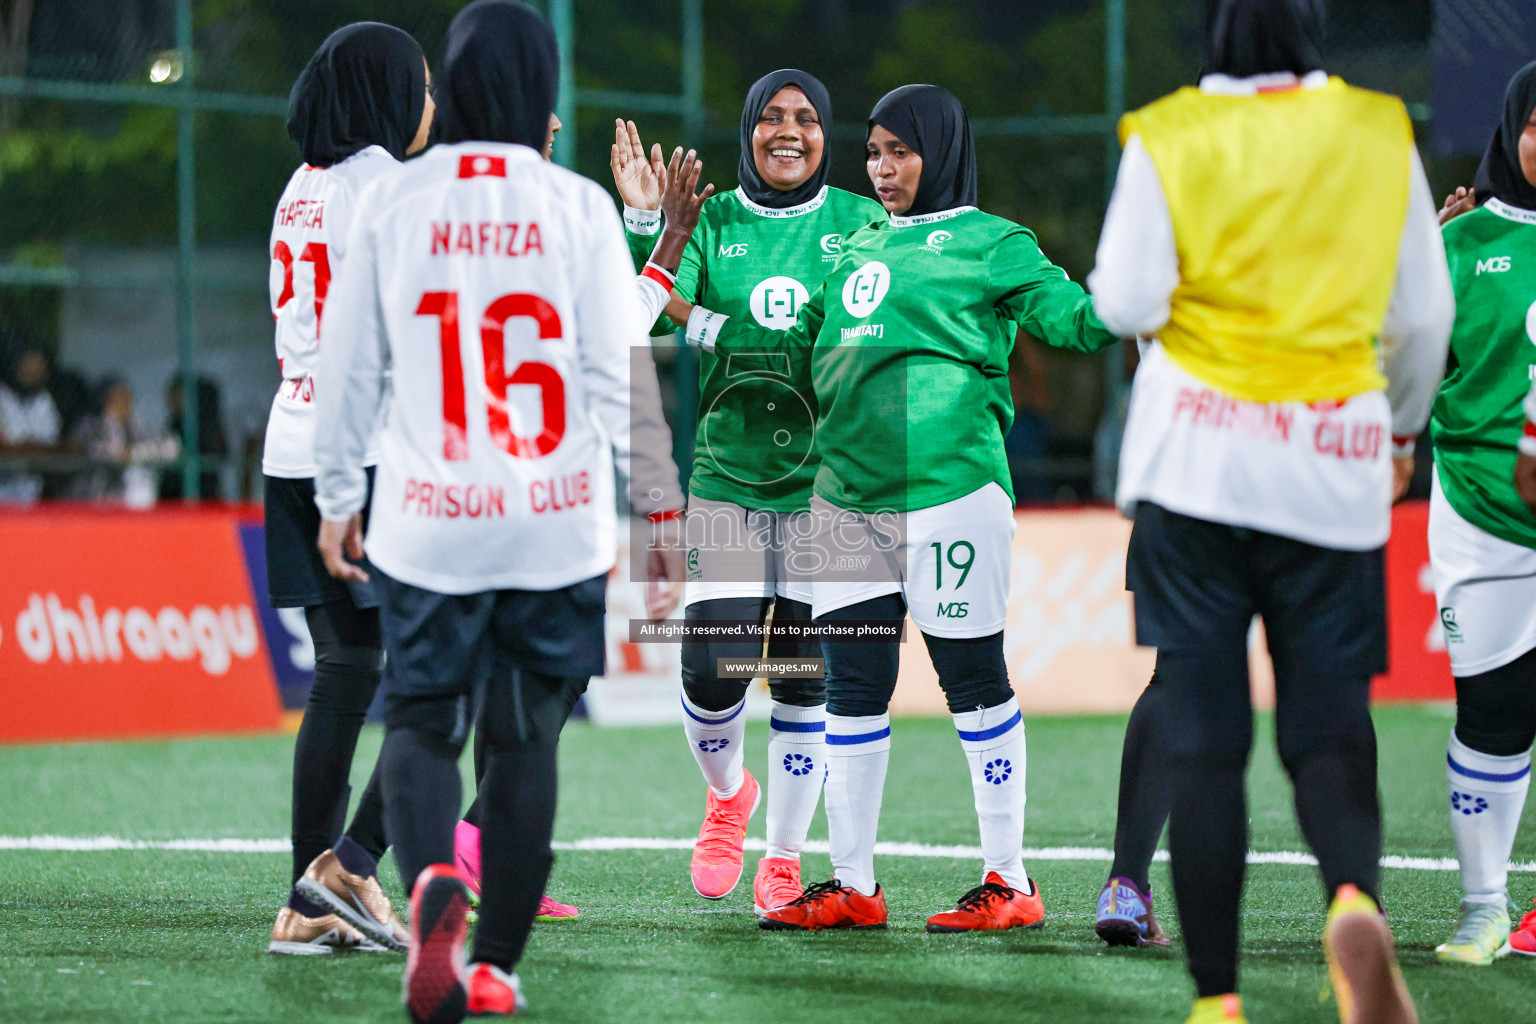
x,y
1306,471
308,248
498,288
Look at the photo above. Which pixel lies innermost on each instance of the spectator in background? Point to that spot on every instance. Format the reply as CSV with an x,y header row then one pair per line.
x,y
110,433
29,424
211,442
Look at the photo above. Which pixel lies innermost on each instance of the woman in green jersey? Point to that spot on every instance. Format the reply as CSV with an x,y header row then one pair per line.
x,y
1482,537
906,345
758,252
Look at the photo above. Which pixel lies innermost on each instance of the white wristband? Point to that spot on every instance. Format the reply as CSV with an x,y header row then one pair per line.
x,y
642,222
703,327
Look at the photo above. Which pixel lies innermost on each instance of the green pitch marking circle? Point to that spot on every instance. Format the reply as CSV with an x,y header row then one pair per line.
x,y
772,411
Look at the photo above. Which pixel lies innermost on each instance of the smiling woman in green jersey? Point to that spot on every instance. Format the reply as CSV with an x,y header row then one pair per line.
x,y
906,344
758,252
1482,538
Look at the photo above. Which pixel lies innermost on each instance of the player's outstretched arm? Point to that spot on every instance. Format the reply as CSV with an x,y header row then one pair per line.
x,y
1040,298
715,332
620,381
682,206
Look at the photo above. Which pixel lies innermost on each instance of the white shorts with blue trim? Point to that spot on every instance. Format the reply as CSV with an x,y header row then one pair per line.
x,y
950,562
1485,588
733,551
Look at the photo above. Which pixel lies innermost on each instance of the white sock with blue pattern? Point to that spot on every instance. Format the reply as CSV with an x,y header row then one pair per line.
x,y
993,741
715,737
797,765
858,753
1487,794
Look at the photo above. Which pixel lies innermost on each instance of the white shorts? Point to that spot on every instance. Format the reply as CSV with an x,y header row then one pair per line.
x,y
1485,588
738,552
950,562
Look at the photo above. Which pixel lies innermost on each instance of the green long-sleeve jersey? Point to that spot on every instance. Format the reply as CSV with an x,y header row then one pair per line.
x,y
907,342
754,442
1477,417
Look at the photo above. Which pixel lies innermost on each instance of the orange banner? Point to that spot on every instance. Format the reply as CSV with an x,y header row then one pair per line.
x,y
128,624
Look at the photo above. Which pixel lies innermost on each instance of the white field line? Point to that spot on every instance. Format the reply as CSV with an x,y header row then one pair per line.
x,y
87,844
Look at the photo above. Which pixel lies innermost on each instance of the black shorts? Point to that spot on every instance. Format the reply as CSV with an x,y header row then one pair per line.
x,y
1197,584
296,574
449,644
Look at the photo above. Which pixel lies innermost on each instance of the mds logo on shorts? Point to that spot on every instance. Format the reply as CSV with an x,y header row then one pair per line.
x,y
954,609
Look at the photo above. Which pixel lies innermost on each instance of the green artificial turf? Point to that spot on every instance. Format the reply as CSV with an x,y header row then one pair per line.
x,y
179,936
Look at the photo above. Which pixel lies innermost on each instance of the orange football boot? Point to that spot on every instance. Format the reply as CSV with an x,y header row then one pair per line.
x,y
777,884
717,856
829,905
493,992
992,906
1523,939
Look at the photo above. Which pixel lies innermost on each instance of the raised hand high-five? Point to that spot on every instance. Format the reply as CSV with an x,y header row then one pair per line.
x,y
641,182
679,204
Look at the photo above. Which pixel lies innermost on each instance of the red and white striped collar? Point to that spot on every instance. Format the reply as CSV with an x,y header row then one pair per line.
x,y
1258,85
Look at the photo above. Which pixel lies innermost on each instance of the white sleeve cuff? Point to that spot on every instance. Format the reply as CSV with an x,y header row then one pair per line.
x,y
642,222
703,327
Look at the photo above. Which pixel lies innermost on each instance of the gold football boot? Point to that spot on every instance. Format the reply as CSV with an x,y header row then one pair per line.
x,y
358,899
297,935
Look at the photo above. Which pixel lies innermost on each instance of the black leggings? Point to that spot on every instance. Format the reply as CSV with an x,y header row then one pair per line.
x,y
522,716
348,652
708,691
1496,710
861,677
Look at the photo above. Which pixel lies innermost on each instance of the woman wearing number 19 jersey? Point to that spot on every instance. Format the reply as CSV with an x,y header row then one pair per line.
x,y
359,108
758,251
907,344
1482,538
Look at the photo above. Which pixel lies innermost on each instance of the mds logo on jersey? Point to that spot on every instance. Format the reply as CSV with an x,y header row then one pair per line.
x,y
1493,265
734,249
954,609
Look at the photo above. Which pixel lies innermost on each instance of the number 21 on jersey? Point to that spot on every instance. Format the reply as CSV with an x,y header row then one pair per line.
x,y
315,253
445,306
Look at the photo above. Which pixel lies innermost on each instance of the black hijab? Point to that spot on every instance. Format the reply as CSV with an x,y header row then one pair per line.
x,y
1500,174
500,75
1256,37
935,125
763,90
365,86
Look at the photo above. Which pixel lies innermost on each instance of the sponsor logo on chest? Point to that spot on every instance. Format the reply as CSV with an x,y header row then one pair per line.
x,y
727,250
1494,265
866,288
776,301
936,240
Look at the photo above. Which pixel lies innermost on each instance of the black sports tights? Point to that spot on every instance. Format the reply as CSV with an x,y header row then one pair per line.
x,y
522,717
708,691
1496,710
1144,790
1327,744
862,676
348,652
